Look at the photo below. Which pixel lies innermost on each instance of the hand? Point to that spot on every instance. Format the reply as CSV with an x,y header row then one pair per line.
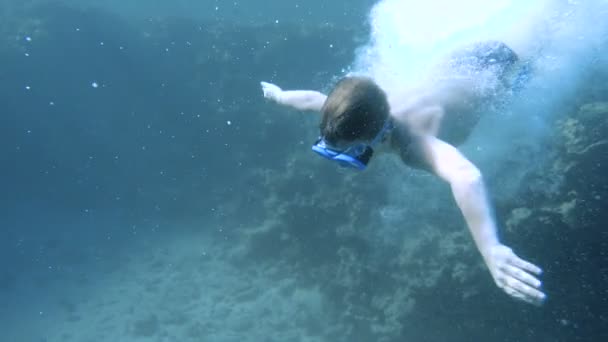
x,y
514,275
271,91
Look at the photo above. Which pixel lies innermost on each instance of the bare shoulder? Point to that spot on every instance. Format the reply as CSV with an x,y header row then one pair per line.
x,y
435,156
421,113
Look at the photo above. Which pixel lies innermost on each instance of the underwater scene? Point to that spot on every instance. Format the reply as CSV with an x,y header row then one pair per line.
x,y
314,171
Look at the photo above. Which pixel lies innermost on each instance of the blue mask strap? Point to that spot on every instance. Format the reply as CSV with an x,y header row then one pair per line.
x,y
388,126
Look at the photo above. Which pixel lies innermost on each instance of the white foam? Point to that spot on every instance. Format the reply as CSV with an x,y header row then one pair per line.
x,y
563,40
407,36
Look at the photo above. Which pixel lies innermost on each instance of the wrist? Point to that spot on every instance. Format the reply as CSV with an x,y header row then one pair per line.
x,y
487,250
279,97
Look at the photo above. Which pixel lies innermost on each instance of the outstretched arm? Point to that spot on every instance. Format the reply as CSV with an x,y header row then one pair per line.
x,y
298,99
514,275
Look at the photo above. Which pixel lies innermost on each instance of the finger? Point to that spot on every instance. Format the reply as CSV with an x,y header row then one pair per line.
x,y
515,294
525,292
522,276
520,296
267,85
528,266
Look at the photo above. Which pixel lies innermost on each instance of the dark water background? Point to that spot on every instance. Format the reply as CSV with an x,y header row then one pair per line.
x,y
175,141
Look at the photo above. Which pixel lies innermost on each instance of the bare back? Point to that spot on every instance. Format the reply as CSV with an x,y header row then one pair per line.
x,y
449,104
449,112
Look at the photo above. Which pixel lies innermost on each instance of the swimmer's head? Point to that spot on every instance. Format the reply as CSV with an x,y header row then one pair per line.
x,y
356,109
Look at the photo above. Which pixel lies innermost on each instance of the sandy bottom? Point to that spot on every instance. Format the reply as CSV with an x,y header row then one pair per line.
x,y
174,288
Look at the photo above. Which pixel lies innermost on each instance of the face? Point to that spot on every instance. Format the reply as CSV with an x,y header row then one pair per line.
x,y
342,145
353,156
356,145
352,153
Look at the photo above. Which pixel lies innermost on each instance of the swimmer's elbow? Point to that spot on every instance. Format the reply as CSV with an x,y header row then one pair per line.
x,y
304,99
472,175
467,176
313,101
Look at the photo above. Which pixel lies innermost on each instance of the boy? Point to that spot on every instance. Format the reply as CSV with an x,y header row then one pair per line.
x,y
423,127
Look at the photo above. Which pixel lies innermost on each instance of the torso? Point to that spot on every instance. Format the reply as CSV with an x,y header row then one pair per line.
x,y
449,110
449,104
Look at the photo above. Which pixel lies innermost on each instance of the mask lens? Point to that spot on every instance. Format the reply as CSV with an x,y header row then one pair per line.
x,y
358,150
356,156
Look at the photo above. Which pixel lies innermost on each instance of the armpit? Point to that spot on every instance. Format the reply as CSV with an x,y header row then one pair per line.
x,y
409,146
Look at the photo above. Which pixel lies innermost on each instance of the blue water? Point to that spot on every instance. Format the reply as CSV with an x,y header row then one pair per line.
x,y
150,193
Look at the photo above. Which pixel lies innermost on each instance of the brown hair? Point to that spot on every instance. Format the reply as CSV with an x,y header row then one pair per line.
x,y
355,109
